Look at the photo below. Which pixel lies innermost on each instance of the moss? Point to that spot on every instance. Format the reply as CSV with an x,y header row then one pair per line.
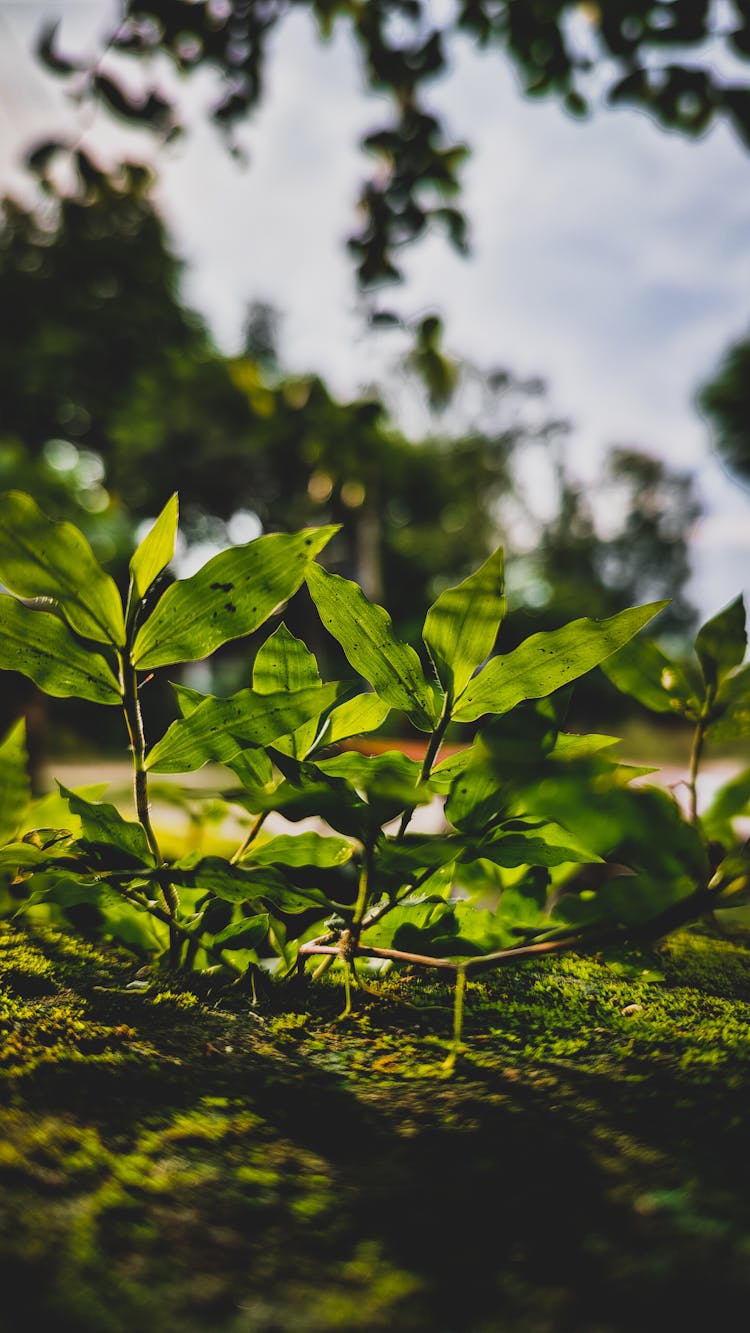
x,y
176,1159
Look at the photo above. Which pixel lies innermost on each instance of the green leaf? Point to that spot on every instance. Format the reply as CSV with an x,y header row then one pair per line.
x,y
643,671
389,782
15,787
730,801
365,633
156,550
39,558
356,717
548,845
461,626
230,597
219,728
731,720
544,662
476,798
224,879
302,849
284,662
246,934
721,642
105,829
40,646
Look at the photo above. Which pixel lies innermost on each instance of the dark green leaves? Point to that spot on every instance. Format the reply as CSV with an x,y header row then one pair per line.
x,y
461,626
365,633
230,597
720,643
39,558
40,646
545,662
116,840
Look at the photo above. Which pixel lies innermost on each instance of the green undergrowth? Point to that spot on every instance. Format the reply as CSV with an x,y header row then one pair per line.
x,y
174,1157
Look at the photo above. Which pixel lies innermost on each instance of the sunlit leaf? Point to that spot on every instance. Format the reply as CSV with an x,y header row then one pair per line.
x,y
229,597
40,646
156,550
355,717
643,671
302,849
219,728
720,644
40,558
462,624
544,662
365,632
284,662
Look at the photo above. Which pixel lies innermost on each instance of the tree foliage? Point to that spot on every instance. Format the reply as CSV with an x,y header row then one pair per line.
x,y
726,401
678,60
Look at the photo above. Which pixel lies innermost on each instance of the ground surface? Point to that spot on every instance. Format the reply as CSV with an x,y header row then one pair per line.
x,y
172,1161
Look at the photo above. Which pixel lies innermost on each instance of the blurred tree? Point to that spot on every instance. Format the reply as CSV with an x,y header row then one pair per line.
x,y
679,60
119,398
618,542
726,402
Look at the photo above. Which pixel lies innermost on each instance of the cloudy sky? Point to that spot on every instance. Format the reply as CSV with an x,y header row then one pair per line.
x,y
611,258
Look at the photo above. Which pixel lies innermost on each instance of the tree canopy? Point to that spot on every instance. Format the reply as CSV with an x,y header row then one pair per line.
x,y
681,61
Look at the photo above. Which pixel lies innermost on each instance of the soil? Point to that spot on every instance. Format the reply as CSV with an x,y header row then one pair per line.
x,y
176,1157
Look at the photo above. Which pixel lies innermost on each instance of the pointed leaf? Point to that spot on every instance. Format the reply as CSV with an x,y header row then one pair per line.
x,y
237,884
732,718
40,558
246,934
356,717
230,597
15,787
219,728
544,662
284,662
643,671
156,550
40,646
548,845
365,633
721,642
302,849
104,828
461,626
224,879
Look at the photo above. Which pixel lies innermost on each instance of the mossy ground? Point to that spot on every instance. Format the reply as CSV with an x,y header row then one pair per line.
x,y
174,1160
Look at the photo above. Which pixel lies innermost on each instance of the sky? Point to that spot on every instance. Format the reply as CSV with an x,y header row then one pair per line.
x,y
610,257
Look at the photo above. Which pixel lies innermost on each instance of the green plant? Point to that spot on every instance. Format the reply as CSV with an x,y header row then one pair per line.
x,y
529,809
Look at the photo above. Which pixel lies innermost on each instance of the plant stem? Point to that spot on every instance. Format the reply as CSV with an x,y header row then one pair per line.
x,y
436,740
134,724
176,927
458,1018
249,840
696,754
